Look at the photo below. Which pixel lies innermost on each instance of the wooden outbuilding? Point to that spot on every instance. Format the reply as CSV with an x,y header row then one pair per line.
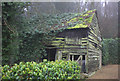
x,y
79,41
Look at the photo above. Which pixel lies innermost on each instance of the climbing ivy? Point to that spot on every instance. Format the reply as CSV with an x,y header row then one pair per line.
x,y
26,38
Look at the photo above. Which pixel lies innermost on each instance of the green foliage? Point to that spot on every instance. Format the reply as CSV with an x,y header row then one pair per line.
x,y
32,46
9,9
11,12
45,70
110,50
26,38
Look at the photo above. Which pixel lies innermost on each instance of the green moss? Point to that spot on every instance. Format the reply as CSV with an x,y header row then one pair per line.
x,y
72,46
72,20
84,38
80,18
78,26
60,46
60,38
85,15
81,21
55,44
93,32
58,41
64,51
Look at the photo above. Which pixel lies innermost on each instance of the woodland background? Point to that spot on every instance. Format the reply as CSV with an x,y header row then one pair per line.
x,y
23,26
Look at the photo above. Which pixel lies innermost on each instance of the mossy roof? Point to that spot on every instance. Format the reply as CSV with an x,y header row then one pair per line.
x,y
74,20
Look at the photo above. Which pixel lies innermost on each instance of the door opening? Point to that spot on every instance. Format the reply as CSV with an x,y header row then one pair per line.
x,y
51,54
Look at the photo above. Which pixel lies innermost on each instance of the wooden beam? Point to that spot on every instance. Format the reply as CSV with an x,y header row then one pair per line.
x,y
86,63
79,58
93,50
72,57
92,39
68,56
100,60
90,33
86,60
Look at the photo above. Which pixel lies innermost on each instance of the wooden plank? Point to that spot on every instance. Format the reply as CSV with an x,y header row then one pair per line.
x,y
92,29
97,44
71,48
86,63
92,39
75,49
82,47
95,41
68,56
100,62
80,57
86,59
75,41
57,44
90,33
76,44
77,54
72,57
84,38
59,38
58,41
91,45
93,56
93,50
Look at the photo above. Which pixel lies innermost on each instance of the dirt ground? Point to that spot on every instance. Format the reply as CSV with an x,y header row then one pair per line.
x,y
106,72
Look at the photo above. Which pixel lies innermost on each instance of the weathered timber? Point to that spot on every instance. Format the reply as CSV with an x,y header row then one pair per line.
x,y
93,50
95,36
92,39
80,42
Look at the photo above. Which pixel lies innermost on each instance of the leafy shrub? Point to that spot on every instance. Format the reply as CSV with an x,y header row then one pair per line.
x,y
45,70
110,50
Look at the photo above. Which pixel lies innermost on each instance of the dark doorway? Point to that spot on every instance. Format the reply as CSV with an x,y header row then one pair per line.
x,y
51,54
83,57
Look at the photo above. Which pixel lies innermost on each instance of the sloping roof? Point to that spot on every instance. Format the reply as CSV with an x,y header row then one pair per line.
x,y
75,20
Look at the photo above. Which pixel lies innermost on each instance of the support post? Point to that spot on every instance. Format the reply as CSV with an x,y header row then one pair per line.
x,y
86,58
72,57
68,56
100,60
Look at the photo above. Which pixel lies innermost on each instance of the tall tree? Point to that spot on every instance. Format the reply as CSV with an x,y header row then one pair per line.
x,y
10,26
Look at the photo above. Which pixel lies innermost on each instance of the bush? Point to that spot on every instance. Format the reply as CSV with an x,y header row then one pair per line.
x,y
110,50
45,70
